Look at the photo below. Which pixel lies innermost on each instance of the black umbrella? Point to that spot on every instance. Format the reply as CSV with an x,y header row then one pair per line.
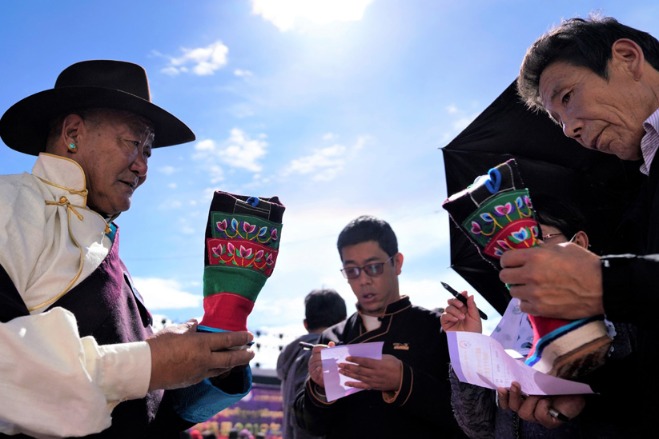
x,y
550,163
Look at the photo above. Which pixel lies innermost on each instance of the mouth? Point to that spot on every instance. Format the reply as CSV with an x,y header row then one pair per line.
x,y
131,184
595,143
368,297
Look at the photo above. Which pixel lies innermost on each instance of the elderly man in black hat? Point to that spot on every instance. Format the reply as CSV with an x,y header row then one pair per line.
x,y
78,352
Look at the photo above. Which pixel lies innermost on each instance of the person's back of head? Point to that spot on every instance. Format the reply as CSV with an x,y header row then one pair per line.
x,y
323,308
582,43
368,228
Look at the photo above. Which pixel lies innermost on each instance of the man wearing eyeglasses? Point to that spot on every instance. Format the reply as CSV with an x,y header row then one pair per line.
x,y
406,393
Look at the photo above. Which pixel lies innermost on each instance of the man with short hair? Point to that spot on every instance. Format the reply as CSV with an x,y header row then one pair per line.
x,y
599,80
322,309
404,394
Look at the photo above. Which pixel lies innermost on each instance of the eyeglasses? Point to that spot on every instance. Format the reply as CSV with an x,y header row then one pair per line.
x,y
551,235
373,269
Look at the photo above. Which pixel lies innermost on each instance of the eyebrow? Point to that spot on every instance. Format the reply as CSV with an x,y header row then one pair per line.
x,y
555,92
367,261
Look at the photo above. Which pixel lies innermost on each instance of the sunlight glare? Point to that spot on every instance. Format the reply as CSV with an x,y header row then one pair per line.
x,y
287,14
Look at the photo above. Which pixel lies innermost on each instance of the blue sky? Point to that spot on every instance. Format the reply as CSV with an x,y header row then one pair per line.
x,y
339,107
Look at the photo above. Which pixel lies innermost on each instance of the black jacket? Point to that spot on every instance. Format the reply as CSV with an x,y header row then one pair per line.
x,y
631,294
422,407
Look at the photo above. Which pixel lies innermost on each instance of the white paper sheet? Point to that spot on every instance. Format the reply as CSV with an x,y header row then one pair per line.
x,y
335,387
481,360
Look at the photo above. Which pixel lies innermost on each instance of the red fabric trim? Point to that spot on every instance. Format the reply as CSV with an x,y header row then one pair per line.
x,y
226,311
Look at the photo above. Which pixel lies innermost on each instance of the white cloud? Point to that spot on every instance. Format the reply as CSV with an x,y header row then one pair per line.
x,y
460,120
238,151
462,123
161,293
241,151
216,173
452,109
243,73
289,14
208,153
203,146
201,61
167,170
324,163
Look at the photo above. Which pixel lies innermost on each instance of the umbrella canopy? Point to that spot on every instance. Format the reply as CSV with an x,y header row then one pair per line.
x,y
601,185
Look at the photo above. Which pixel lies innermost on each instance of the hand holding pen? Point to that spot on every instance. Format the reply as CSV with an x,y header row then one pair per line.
x,y
315,365
461,298
459,317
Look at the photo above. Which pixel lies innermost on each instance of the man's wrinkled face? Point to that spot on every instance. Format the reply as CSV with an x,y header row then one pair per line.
x,y
113,150
600,114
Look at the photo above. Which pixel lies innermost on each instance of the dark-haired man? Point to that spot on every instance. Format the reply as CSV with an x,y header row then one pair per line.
x,y
322,309
404,394
599,80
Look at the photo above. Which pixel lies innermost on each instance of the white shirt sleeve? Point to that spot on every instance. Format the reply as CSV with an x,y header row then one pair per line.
x,y
49,376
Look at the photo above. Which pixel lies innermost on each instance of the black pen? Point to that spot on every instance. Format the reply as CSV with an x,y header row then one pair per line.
x,y
558,415
461,298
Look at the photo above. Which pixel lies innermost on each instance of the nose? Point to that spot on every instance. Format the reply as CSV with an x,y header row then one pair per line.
x,y
364,278
140,165
572,128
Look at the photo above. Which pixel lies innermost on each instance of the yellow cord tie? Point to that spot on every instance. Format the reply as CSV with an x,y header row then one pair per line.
x,y
70,209
63,201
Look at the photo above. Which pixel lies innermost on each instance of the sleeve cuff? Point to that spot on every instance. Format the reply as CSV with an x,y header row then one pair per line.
x,y
390,396
201,401
124,370
317,393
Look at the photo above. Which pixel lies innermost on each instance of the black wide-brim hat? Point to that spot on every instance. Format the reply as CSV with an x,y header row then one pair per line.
x,y
89,84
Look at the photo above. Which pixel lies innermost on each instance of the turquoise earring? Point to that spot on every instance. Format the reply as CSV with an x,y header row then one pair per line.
x,y
73,148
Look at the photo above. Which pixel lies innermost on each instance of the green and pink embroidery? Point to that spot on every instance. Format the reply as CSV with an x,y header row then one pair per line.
x,y
502,223
241,248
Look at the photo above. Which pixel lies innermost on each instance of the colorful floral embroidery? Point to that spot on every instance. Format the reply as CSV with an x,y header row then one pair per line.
x,y
249,229
245,254
522,233
493,216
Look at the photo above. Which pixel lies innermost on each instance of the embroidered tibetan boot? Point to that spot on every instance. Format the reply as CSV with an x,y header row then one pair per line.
x,y
496,214
242,244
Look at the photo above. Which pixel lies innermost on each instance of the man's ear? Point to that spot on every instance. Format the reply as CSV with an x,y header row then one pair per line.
x,y
581,239
306,325
71,127
629,54
398,259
